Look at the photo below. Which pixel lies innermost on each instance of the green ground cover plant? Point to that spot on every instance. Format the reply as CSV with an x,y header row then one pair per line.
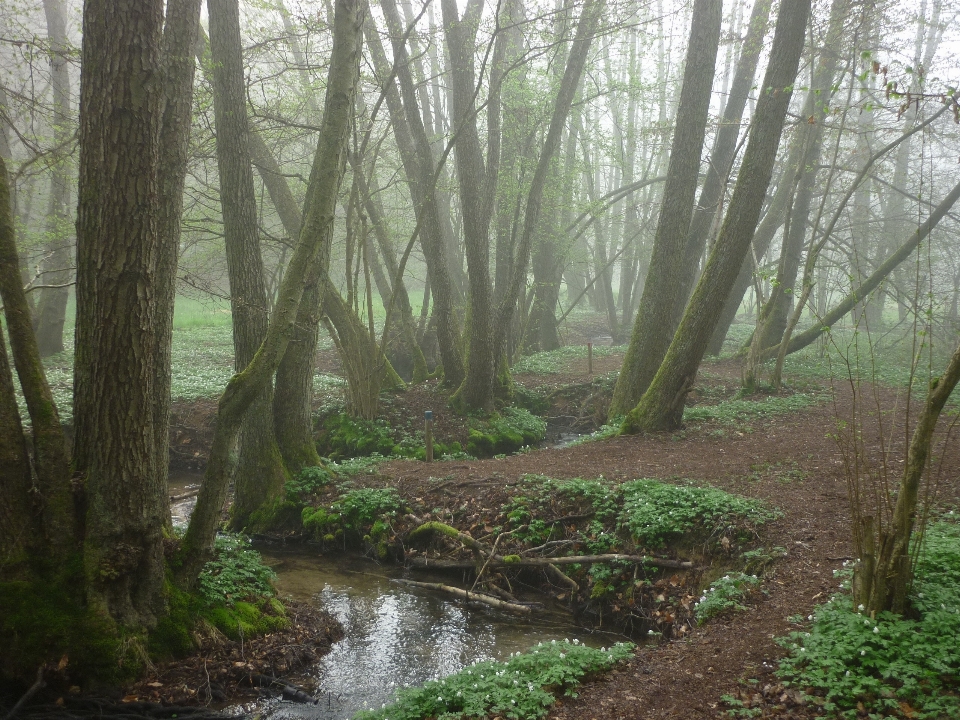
x,y
508,431
644,513
553,362
341,437
656,512
357,514
739,412
725,595
888,663
523,687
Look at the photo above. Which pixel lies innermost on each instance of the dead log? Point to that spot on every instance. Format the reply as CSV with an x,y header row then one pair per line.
x,y
467,595
424,563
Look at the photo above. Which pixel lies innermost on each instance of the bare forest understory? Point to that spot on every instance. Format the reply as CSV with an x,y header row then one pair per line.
x,y
790,461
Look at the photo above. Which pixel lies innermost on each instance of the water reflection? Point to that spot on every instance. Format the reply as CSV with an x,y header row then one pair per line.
x,y
397,635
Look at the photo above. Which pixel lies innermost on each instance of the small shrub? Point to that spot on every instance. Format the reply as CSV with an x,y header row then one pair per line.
x,y
525,686
725,595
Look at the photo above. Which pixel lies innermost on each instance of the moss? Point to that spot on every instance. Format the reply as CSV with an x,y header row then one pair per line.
x,y
44,620
510,559
245,620
279,513
173,637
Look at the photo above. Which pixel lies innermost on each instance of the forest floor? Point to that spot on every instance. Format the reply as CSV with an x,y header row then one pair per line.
x,y
791,460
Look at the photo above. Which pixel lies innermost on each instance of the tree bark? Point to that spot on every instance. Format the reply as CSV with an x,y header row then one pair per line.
x,y
50,456
772,319
260,473
724,145
180,35
892,572
313,247
658,314
118,243
420,169
586,31
661,407
51,310
19,526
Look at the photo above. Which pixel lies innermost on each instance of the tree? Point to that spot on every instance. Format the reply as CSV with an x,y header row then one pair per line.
x,y
312,248
52,309
658,314
118,246
661,407
260,472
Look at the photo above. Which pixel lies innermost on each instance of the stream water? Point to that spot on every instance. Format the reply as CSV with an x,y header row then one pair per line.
x,y
394,635
397,635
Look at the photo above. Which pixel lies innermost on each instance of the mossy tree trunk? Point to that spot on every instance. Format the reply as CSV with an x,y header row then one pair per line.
x,y
51,461
260,471
661,301
313,247
19,524
421,172
886,586
118,242
661,407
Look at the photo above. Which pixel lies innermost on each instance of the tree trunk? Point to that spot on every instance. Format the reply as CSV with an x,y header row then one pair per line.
x,y
892,567
118,243
260,473
19,525
180,34
421,172
724,145
51,310
772,320
313,248
658,313
661,407
583,38
50,457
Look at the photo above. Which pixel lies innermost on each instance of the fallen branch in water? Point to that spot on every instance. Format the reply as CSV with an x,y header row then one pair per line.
x,y
423,563
467,595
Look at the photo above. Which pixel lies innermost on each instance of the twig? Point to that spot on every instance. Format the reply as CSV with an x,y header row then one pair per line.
x,y
38,683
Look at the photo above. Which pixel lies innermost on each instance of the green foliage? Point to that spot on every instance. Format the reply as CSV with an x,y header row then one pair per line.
x,y
360,508
510,430
530,400
738,412
522,687
849,658
309,481
361,511
342,437
654,512
725,595
611,429
553,362
236,573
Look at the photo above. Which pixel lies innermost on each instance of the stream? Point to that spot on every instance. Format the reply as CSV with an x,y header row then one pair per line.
x,y
394,635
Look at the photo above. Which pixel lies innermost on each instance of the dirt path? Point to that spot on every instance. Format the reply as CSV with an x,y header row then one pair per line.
x,y
787,460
